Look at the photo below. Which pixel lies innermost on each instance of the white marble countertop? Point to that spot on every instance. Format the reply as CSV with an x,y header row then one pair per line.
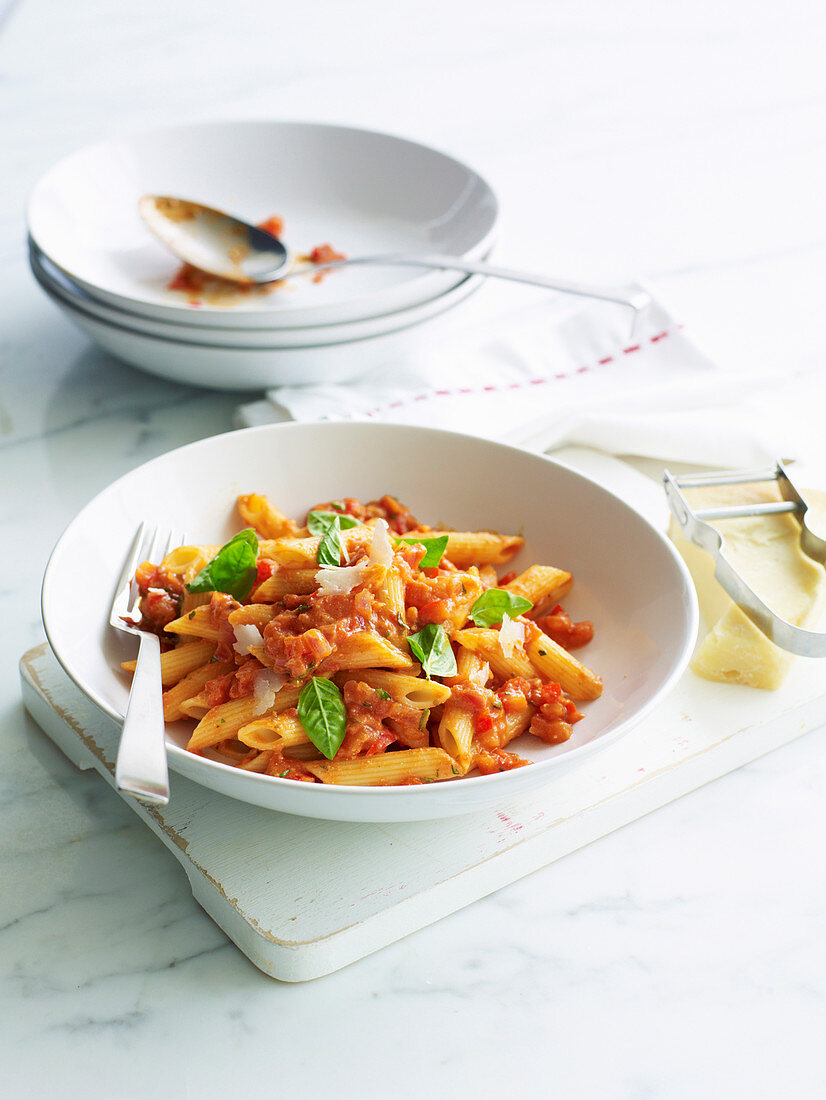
x,y
680,957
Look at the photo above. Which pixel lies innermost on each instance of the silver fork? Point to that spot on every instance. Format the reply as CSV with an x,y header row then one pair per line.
x,y
141,768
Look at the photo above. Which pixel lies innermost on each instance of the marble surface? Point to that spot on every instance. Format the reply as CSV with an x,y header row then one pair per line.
x,y
682,956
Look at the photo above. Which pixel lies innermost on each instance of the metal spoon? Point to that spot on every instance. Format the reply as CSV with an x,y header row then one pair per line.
x,y
233,249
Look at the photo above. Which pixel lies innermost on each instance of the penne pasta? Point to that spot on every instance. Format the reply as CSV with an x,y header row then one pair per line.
x,y
185,562
372,672
368,650
228,718
412,691
253,614
197,706
175,700
191,600
179,662
555,663
457,724
466,548
386,768
279,731
295,553
197,623
457,615
541,584
513,725
256,511
486,641
284,582
488,576
257,764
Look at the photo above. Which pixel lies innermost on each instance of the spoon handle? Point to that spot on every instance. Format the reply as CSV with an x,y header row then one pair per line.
x,y
636,300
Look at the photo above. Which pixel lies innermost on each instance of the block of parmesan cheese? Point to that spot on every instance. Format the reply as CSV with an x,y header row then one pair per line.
x,y
766,551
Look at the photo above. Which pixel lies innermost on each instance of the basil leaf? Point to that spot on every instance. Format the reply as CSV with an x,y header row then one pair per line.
x,y
494,604
382,694
329,525
233,569
318,521
322,713
434,550
431,646
329,549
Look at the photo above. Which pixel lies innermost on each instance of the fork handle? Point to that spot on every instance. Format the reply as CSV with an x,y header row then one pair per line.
x,y
141,765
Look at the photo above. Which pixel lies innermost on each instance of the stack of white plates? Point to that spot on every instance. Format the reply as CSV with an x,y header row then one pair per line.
x,y
362,192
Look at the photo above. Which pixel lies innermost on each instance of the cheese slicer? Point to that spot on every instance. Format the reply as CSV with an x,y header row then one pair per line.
x,y
696,525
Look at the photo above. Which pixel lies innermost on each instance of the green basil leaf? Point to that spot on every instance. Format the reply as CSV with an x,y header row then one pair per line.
x,y
233,569
434,550
322,713
382,694
493,605
329,525
329,549
431,646
318,521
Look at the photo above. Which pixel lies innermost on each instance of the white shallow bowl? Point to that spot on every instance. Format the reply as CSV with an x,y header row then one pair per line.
x,y
60,287
629,582
364,192
239,367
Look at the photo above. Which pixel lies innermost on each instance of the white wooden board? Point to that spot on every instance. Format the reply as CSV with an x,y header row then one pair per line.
x,y
303,898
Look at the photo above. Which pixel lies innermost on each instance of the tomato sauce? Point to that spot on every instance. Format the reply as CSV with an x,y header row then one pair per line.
x,y
287,768
324,254
399,518
161,595
305,638
560,629
489,761
555,712
197,283
439,595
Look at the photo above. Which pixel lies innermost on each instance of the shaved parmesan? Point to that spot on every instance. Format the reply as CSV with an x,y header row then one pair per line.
x,y
339,580
267,684
511,635
381,552
246,635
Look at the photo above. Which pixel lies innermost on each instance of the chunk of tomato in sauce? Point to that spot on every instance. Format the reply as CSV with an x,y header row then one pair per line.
x,y
560,629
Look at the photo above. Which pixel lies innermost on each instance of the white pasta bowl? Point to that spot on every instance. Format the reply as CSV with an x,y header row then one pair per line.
x,y
364,192
254,367
64,291
629,582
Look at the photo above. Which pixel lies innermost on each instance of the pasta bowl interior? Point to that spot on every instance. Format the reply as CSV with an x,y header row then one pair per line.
x,y
627,581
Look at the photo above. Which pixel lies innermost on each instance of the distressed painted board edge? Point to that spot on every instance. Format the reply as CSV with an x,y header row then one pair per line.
x,y
43,682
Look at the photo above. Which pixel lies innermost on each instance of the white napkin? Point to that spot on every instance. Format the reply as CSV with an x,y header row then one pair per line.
x,y
561,372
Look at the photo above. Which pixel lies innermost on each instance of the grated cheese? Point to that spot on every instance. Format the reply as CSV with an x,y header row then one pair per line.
x,y
339,580
246,635
381,552
267,684
511,635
